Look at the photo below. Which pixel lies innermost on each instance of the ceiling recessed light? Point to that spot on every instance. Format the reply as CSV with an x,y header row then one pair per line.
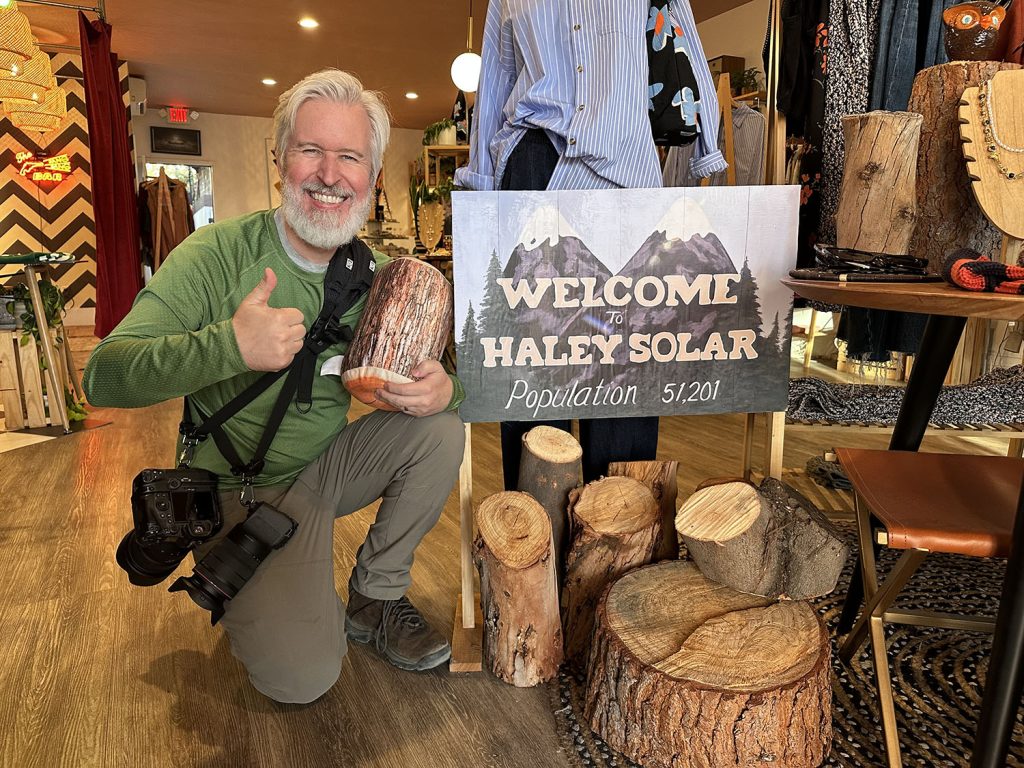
x,y
269,81
308,23
412,95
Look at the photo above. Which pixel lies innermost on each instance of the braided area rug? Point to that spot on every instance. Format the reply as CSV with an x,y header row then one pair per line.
x,y
937,677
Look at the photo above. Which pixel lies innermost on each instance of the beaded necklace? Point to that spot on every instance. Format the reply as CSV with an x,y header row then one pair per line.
x,y
992,141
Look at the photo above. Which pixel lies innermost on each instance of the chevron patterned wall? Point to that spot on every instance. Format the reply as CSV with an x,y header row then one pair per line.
x,y
32,219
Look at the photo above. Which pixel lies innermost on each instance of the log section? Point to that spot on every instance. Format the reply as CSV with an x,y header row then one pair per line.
x,y
522,642
407,319
616,526
948,217
769,541
878,200
686,673
660,477
548,470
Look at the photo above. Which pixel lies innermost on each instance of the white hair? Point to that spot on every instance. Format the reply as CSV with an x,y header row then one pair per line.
x,y
341,88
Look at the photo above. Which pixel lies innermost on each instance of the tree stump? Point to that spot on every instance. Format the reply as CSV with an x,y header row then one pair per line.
x,y
616,526
948,217
660,477
407,319
877,202
549,469
769,541
686,673
522,642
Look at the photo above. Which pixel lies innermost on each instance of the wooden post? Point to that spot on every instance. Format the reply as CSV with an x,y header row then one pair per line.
x,y
55,388
549,469
518,589
616,526
877,204
466,632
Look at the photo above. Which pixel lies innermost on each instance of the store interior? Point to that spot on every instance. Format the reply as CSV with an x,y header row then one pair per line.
x,y
98,672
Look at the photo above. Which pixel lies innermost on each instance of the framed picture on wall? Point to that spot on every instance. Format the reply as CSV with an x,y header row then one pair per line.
x,y
175,141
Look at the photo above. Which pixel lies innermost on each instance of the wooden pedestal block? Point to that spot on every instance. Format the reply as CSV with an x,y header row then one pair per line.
x,y
686,673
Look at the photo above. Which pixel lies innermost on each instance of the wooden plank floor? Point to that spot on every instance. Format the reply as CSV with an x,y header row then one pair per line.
x,y
98,673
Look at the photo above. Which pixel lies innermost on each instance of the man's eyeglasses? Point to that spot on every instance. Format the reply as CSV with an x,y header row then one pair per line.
x,y
851,260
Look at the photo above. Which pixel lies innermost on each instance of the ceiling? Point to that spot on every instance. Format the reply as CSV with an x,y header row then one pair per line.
x,y
211,54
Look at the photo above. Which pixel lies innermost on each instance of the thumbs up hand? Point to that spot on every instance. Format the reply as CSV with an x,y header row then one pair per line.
x,y
268,338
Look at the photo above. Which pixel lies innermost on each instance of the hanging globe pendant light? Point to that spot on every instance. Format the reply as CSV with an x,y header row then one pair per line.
x,y
466,67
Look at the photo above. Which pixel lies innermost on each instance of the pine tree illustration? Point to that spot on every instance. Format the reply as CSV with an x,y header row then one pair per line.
x,y
470,337
770,348
747,305
494,314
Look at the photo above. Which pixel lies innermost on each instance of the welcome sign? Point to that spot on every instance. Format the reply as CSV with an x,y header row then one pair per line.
x,y
598,303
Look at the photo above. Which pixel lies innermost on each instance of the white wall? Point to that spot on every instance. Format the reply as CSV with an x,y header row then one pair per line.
x,y
236,148
242,177
739,32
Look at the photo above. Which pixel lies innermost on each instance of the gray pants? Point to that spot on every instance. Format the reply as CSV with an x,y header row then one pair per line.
x,y
287,624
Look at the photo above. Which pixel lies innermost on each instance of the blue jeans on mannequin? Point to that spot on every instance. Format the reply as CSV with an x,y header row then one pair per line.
x,y
603,440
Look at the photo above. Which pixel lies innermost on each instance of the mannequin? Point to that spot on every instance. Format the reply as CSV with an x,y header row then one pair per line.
x,y
563,104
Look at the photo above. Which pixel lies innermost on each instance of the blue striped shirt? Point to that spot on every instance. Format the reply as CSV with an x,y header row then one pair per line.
x,y
577,69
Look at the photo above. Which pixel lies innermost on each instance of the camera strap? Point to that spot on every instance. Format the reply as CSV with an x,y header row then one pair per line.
x,y
349,276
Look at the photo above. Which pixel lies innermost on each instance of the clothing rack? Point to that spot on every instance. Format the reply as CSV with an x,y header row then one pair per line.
x,y
99,9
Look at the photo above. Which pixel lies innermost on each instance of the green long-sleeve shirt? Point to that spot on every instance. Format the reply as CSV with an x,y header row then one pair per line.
x,y
178,339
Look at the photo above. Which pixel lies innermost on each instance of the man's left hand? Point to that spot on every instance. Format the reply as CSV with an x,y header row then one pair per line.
x,y
429,394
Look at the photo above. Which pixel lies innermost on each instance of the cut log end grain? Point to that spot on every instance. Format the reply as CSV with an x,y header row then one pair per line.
x,y
718,513
687,673
363,383
553,445
616,506
515,528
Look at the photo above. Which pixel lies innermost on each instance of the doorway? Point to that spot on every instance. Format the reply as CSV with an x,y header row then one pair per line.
x,y
198,181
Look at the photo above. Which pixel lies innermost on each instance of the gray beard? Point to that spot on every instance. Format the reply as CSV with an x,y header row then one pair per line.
x,y
321,229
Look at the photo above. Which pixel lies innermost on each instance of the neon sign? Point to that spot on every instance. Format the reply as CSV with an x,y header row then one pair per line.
x,y
44,170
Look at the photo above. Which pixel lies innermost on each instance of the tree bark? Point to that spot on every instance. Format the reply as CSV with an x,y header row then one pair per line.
x,y
522,631
549,469
769,541
948,216
687,674
877,203
616,526
407,319
660,477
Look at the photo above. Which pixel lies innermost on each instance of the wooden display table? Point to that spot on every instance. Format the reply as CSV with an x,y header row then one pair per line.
x,y
949,309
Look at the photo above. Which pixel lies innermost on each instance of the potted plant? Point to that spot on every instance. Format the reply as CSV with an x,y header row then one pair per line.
x,y
442,132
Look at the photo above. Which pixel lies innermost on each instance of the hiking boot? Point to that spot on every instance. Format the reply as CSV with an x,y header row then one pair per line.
x,y
397,630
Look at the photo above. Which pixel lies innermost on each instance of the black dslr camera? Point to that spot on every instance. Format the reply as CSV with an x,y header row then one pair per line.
x,y
176,510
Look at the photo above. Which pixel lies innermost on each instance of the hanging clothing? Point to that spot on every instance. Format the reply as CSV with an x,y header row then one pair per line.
x,y
910,38
853,26
577,70
165,218
801,90
749,129
1013,33
674,97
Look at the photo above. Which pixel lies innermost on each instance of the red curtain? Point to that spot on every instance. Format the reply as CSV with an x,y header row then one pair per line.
x,y
118,271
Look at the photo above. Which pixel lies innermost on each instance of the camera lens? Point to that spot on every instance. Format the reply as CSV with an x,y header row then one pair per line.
x,y
225,569
148,565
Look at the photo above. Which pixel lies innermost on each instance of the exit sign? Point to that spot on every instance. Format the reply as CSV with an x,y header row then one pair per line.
x,y
177,115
